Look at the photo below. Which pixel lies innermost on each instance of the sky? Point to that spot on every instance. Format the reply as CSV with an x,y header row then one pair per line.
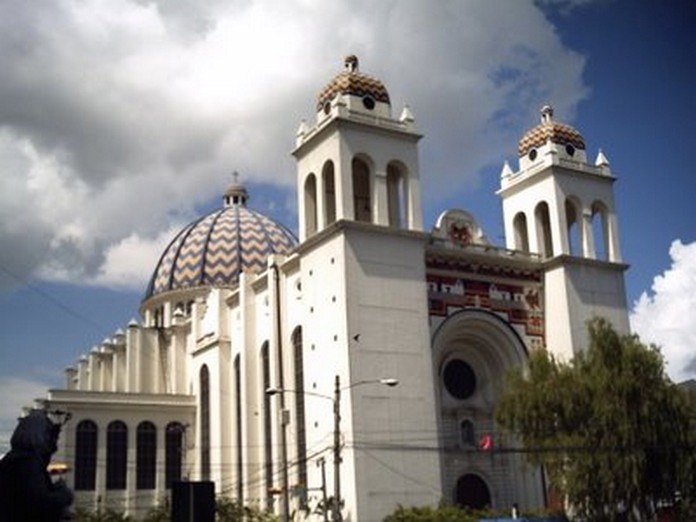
x,y
122,120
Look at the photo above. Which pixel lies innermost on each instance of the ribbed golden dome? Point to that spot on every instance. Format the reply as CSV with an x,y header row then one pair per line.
x,y
550,130
352,81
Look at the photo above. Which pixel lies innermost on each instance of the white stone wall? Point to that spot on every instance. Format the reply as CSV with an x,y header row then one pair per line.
x,y
132,409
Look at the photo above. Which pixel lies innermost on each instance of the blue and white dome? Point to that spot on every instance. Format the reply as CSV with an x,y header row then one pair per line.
x,y
215,249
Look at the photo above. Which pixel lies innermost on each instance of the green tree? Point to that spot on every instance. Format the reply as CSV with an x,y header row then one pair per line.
x,y
439,514
106,515
229,510
614,434
162,512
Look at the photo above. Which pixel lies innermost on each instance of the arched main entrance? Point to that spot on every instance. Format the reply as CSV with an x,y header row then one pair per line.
x,y
472,351
472,492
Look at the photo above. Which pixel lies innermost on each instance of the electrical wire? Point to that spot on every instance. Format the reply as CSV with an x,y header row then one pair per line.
x,y
55,301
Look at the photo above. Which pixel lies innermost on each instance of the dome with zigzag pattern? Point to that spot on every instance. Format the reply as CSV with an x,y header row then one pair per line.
x,y
215,249
552,131
352,81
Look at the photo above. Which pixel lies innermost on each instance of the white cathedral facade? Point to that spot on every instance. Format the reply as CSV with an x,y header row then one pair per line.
x,y
260,360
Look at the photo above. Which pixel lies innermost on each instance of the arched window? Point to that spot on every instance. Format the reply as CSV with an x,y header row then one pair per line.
x,y
467,436
239,425
146,455
300,412
573,220
397,196
204,379
329,182
600,229
85,455
519,225
362,202
310,204
267,422
173,452
543,226
116,455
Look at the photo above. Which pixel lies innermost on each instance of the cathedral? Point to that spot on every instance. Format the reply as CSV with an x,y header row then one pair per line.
x,y
356,367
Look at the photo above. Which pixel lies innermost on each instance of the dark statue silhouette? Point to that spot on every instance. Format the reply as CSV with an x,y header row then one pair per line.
x,y
27,492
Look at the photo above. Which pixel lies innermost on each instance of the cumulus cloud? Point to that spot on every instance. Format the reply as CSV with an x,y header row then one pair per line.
x,y
663,316
118,118
126,263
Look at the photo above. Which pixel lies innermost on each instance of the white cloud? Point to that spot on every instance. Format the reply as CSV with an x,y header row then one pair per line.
x,y
118,117
664,316
17,393
131,261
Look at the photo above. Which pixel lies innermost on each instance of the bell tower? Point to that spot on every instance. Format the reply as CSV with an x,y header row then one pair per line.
x,y
561,207
363,308
357,162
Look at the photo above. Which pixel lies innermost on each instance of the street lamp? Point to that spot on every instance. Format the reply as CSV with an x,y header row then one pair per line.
x,y
336,400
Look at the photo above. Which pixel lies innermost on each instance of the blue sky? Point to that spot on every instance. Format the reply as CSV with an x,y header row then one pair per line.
x,y
121,121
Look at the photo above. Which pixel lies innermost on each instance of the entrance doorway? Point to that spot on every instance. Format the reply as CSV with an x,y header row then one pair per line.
x,y
472,492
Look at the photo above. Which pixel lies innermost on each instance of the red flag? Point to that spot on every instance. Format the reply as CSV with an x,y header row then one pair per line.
x,y
486,442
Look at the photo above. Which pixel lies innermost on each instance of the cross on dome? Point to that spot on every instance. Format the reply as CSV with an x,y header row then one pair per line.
x,y
236,193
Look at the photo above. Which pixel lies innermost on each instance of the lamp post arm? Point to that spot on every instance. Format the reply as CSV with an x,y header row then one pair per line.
x,y
280,391
336,515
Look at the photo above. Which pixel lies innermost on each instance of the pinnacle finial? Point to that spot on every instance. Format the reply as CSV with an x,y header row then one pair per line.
x,y
506,172
546,113
601,160
351,63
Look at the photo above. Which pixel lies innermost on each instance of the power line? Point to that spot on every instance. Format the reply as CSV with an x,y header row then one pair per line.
x,y
54,300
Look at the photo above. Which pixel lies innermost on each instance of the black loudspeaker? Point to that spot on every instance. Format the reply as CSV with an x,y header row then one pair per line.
x,y
193,502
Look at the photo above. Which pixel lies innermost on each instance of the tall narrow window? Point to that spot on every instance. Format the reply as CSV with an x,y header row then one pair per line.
x,y
521,235
329,192
204,378
116,455
543,225
300,414
267,422
397,196
173,453
466,433
146,455
600,230
85,455
572,209
362,203
239,426
310,203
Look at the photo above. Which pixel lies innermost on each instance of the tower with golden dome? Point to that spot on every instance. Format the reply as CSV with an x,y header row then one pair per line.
x,y
560,206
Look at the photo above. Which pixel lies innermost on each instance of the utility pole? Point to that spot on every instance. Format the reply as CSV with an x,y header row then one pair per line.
x,y
285,420
336,514
321,462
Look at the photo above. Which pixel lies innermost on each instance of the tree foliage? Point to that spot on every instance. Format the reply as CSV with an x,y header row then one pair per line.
x,y
439,514
614,435
445,513
226,510
229,510
106,515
